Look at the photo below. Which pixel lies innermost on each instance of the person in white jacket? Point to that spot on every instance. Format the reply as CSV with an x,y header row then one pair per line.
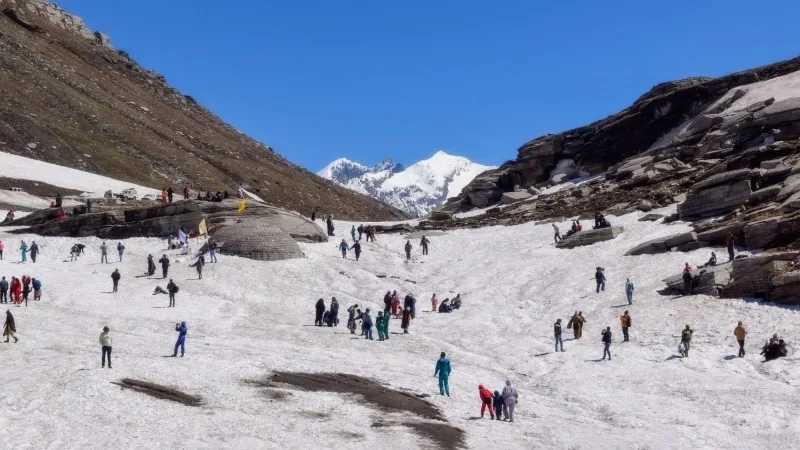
x,y
509,401
106,341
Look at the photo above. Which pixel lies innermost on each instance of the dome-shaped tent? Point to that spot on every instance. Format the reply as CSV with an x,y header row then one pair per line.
x,y
257,240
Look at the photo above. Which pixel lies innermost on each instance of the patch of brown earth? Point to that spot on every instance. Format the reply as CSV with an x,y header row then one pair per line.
x,y
159,391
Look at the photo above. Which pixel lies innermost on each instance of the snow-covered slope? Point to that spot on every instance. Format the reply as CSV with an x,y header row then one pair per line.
x,y
515,284
417,189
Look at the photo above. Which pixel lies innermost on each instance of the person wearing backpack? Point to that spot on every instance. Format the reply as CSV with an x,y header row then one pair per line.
x,y
115,276
172,289
686,341
625,323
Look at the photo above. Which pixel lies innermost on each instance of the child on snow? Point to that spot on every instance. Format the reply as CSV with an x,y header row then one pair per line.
x,y
486,400
498,403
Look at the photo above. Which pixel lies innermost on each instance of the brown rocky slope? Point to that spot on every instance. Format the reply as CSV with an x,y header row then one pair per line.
x,y
69,98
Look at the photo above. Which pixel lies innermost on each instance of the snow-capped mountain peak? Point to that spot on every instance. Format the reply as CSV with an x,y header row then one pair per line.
x,y
416,189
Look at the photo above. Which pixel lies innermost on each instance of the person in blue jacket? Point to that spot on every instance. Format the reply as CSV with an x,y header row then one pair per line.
x,y
37,289
366,325
498,403
443,371
181,329
629,291
343,247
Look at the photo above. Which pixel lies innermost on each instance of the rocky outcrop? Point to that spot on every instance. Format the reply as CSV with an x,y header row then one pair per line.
x,y
652,217
255,239
590,237
709,280
715,200
664,244
514,197
752,276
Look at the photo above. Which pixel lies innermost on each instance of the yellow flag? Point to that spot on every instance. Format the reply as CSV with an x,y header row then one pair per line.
x,y
242,205
202,228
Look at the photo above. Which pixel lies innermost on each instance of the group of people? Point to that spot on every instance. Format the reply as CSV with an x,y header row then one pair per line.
x,y
19,289
424,242
107,342
25,250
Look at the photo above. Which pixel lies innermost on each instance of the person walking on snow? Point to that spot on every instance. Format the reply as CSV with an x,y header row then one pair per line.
x,y
319,310
686,341
607,343
367,325
600,277
510,399
379,325
424,244
9,328
557,235
557,332
181,328
212,250
434,303
343,247
105,347
443,371
151,266
405,322
357,248
576,322
730,243
353,233
629,290
115,276
164,265
34,251
4,290
486,400
26,288
740,334
334,312
408,250
172,289
625,323
498,404
104,253
120,250
2,246
360,230
198,265
23,248
37,289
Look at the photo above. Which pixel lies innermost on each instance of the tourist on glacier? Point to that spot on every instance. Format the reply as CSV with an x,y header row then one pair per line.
x,y
486,400
386,319
688,282
164,265
172,289
557,235
26,288
629,290
343,247
387,302
4,290
625,323
1,250
120,250
353,233
411,303
334,312
198,265
23,249
456,303
115,276
186,192
443,371
10,328
104,253
357,249
600,278
607,343
105,347
34,251
182,329
379,326
329,223
740,334
367,325
320,310
424,244
408,250
405,322
151,266
711,261
686,341
9,215
576,323
396,311
37,289
16,291
212,250
434,302
557,333
170,193
353,314
445,306
730,243
498,403
510,399
360,230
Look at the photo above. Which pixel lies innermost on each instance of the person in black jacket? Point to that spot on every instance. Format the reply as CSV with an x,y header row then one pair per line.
x,y
164,265
410,302
600,277
151,266
115,276
408,248
172,289
357,247
387,302
34,251
406,321
607,343
4,290
320,311
9,328
557,332
334,312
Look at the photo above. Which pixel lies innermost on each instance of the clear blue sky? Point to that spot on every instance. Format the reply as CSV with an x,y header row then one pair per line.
x,y
318,80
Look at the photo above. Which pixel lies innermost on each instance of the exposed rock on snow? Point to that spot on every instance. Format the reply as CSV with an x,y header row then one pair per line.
x,y
256,239
589,237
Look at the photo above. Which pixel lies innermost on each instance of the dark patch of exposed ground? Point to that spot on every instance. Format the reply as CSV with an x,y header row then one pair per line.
x,y
159,391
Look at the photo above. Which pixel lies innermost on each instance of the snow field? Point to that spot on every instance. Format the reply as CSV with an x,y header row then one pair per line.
x,y
248,318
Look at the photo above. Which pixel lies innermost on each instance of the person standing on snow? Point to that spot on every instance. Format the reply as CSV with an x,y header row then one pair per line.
x,y
576,323
424,244
557,235
23,248
115,276
334,312
379,325
37,289
367,325
360,230
186,192
4,290
164,265
351,318
357,248
625,323
329,223
510,398
600,277
151,266
104,253
730,243
408,250
343,247
181,328
434,303
443,371
353,233
687,280
387,302
486,400
629,290
198,265
212,250
557,332
120,250
2,246
34,251
686,340
405,322
26,288
9,328
386,318
498,403
170,193
172,289
320,310
740,334
105,346
607,343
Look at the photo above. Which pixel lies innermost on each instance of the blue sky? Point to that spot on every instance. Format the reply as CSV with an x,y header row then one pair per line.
x,y
318,80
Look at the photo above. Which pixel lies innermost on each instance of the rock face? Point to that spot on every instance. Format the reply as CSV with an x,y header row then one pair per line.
x,y
514,197
710,280
663,244
716,200
256,239
589,237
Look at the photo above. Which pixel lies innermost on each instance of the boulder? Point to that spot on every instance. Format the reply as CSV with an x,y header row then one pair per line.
x,y
559,178
771,164
763,195
514,197
710,280
662,244
589,237
440,216
722,178
716,200
786,288
255,239
652,217
644,205
718,235
533,191
752,276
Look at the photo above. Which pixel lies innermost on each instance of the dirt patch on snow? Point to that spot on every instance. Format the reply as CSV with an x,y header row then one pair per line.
x,y
445,436
159,391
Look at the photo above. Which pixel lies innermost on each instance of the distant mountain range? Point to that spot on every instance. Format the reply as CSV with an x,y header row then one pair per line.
x,y
416,189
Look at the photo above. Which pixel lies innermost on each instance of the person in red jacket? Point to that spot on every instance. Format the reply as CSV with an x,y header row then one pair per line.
x,y
16,288
486,400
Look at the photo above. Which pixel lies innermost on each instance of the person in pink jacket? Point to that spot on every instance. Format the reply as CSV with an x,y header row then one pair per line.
x,y
1,250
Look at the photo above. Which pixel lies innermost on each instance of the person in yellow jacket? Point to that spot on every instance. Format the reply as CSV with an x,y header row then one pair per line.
x,y
740,333
625,323
576,323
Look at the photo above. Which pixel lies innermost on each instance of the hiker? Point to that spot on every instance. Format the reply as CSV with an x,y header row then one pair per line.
x,y
105,346
740,334
498,403
557,235
434,302
198,265
360,230
408,250
625,323
629,290
37,289
2,246
170,193
557,333
151,266
329,223
9,328
9,215
730,242
406,320
607,343
600,277
379,325
181,328
445,307
396,311
712,261
34,251
172,289
103,253
486,400
120,250
212,250
443,371
343,247
334,312
16,290
4,290
367,325
687,281
186,192
386,319
353,233
353,314
456,302
686,341
387,302
320,310
26,288
576,323
411,303
164,265
357,248
23,248
115,276
510,399
424,244
774,349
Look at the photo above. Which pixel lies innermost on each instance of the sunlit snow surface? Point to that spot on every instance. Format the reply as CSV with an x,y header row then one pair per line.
x,y
248,318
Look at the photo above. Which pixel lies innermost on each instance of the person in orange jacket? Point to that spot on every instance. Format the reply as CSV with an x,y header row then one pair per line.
x,y
486,400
